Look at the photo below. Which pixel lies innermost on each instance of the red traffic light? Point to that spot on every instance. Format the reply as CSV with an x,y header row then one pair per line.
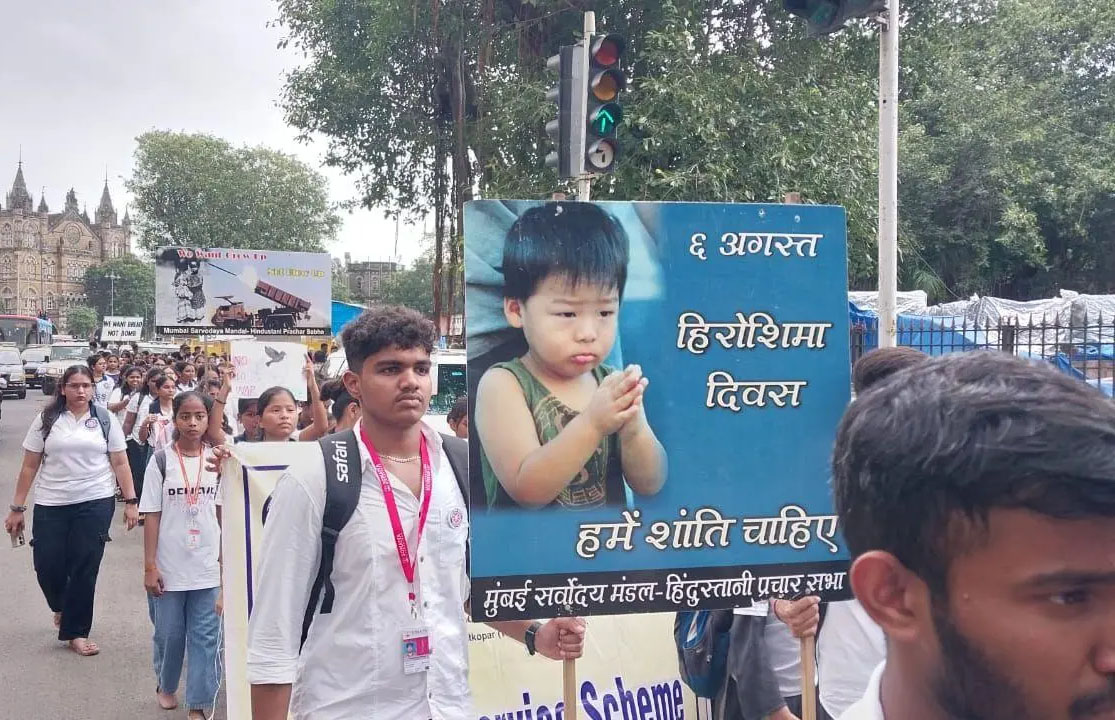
x,y
606,50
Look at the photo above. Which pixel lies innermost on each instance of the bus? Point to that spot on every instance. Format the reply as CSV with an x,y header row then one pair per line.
x,y
24,330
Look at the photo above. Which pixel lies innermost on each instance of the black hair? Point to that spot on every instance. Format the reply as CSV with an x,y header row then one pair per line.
x,y
385,327
58,402
149,377
878,365
459,410
578,241
122,380
341,402
268,396
92,360
181,398
245,404
921,460
180,366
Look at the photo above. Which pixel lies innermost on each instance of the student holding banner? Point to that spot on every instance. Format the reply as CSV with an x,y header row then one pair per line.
x,y
394,644
977,495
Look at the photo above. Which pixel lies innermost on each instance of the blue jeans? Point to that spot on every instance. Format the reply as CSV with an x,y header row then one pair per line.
x,y
186,623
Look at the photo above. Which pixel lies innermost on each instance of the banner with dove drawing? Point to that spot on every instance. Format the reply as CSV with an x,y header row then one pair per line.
x,y
260,364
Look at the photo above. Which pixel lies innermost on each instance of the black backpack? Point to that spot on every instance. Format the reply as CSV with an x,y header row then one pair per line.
x,y
342,493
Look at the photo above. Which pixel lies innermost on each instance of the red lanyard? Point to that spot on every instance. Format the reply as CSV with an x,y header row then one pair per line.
x,y
191,496
408,563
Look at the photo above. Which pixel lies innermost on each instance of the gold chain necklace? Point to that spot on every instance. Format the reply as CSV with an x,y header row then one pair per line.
x,y
401,461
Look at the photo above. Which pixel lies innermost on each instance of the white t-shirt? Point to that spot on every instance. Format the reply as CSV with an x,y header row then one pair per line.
x,y
162,430
870,706
133,407
116,396
849,648
75,466
102,389
189,536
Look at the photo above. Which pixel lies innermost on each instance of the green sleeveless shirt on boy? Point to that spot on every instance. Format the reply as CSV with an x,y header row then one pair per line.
x,y
599,483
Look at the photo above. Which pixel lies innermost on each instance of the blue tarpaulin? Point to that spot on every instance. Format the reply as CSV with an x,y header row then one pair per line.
x,y
934,335
937,335
343,314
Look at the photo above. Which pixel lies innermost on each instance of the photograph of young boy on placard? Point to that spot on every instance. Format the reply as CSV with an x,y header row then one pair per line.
x,y
557,426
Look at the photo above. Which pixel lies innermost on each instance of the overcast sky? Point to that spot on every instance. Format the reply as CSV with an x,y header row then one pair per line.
x,y
80,80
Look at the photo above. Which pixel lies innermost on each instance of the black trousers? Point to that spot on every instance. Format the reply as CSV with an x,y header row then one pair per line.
x,y
68,542
137,461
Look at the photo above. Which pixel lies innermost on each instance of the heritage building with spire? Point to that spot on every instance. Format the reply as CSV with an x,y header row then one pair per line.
x,y
44,254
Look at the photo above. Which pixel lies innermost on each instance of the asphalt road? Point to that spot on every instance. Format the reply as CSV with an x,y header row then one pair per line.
x,y
40,678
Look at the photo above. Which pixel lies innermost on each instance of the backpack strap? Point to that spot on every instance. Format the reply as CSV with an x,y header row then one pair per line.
x,y
342,493
160,462
102,416
456,450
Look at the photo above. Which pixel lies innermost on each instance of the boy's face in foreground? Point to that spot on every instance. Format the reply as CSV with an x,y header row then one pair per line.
x,y
570,329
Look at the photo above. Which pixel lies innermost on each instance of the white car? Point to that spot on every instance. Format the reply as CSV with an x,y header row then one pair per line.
x,y
62,356
449,383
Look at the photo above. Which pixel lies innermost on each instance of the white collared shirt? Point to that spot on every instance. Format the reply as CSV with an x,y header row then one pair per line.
x,y
75,467
352,664
849,647
870,706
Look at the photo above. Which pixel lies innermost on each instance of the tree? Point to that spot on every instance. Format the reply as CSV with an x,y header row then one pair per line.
x,y
412,287
82,321
201,191
132,293
341,293
1008,140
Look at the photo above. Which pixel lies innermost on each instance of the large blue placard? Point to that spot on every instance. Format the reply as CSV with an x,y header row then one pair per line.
x,y
716,492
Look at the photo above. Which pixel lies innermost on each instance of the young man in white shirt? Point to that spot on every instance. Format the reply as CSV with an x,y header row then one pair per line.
x,y
352,665
976,492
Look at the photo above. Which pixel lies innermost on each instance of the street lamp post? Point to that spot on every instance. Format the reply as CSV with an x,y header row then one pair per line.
x,y
112,278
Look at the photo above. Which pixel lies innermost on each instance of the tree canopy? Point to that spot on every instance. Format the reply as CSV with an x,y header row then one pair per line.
x,y
82,321
1007,167
131,294
192,189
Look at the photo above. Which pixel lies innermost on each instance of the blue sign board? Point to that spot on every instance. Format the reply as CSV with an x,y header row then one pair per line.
x,y
665,447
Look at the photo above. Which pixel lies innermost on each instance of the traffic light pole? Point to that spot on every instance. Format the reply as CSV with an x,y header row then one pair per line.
x,y
888,177
584,185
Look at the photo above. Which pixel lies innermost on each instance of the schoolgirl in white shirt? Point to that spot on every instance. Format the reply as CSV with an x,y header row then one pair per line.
x,y
182,574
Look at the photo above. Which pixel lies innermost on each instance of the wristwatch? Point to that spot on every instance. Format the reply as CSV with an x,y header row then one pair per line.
x,y
528,640
18,508
131,501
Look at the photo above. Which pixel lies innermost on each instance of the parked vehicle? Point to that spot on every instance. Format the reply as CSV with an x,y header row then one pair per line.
x,y
11,370
450,383
62,355
34,358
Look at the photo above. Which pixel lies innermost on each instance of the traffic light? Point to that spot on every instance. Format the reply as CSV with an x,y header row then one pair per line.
x,y
604,114
567,130
828,16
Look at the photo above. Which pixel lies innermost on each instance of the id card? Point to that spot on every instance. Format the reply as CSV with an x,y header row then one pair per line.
x,y
416,650
193,538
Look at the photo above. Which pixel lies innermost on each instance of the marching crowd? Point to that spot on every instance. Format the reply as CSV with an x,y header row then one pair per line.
x,y
976,493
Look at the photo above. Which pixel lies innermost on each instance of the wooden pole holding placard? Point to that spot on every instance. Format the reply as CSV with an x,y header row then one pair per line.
x,y
808,644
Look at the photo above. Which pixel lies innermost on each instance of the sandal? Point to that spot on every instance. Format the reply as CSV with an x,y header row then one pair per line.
x,y
167,701
84,647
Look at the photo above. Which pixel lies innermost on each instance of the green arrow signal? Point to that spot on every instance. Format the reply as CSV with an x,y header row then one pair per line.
x,y
605,118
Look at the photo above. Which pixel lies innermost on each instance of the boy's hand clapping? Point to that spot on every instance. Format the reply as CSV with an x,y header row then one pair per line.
x,y
617,400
